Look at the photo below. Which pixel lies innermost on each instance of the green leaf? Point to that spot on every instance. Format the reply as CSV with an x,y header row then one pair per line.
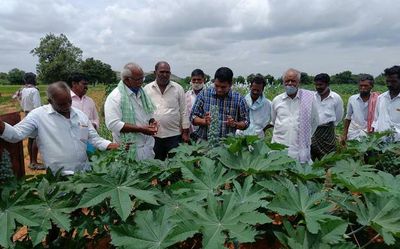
x,y
249,192
256,158
119,185
50,206
207,179
301,200
381,212
153,230
12,209
227,219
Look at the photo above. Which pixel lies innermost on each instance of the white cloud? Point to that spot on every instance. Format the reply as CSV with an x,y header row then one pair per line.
x,y
247,35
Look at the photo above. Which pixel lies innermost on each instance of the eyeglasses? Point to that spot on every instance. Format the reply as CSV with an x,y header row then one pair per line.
x,y
140,79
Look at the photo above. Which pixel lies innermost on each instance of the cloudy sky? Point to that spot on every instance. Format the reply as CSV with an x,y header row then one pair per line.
x,y
246,35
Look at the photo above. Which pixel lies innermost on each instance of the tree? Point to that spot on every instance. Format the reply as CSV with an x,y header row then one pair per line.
x,y
380,80
97,71
16,76
345,77
149,77
269,79
250,78
240,79
58,57
305,79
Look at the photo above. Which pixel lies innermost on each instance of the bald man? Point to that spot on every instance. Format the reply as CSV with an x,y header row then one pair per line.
x,y
62,131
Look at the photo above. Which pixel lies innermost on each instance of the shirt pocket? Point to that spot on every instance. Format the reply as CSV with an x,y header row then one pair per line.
x,y
83,133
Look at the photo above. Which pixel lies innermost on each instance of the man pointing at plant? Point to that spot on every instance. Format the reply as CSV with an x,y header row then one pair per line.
x,y
62,132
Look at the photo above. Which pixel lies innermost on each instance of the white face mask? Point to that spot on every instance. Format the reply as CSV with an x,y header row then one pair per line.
x,y
196,86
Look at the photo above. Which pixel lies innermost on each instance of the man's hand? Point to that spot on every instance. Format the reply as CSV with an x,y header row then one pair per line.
x,y
150,130
112,146
207,119
230,122
185,136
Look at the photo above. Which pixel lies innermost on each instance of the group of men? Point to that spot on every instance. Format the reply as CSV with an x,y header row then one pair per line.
x,y
152,120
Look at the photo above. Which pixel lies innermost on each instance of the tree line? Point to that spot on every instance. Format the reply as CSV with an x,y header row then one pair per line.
x,y
58,58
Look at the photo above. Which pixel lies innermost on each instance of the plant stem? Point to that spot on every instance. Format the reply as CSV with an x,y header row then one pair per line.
x,y
369,242
355,231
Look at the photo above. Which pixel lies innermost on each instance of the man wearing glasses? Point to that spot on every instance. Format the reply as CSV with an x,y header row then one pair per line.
x,y
129,114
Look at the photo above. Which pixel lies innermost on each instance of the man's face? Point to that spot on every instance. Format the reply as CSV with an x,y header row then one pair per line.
x,y
163,74
393,82
365,87
197,82
290,79
320,86
256,90
80,88
61,102
222,87
136,80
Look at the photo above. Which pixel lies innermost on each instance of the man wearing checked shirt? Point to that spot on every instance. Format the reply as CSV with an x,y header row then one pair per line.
x,y
233,112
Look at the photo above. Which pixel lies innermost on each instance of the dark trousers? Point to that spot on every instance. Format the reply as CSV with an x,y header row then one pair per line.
x,y
163,145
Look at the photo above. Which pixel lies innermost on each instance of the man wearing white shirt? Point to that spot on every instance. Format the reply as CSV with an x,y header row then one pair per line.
x,y
79,87
360,110
170,113
29,100
129,113
197,79
330,110
62,132
259,108
294,117
387,112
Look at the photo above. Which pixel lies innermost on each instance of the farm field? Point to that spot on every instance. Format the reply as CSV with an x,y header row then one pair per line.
x,y
245,193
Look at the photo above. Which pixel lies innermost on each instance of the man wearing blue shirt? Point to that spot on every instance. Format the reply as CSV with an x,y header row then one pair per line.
x,y
229,108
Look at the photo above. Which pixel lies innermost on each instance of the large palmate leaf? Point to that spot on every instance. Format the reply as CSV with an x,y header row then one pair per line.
x,y
249,193
226,218
255,158
306,171
355,176
381,212
207,179
118,185
12,210
153,230
300,199
50,206
330,237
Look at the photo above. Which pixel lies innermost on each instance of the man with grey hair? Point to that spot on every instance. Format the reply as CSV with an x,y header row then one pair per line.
x,y
129,114
294,117
169,98
62,132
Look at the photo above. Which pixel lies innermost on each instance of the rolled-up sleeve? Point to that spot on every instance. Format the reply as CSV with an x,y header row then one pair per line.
x,y
113,113
339,110
95,139
349,112
20,131
198,107
244,112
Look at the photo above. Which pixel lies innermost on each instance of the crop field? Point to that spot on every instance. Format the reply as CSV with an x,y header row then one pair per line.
x,y
241,192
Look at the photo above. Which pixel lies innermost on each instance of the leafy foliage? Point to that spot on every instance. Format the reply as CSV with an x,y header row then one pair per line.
x,y
231,193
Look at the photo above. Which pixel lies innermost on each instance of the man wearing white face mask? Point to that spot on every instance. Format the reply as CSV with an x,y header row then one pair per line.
x,y
294,117
197,84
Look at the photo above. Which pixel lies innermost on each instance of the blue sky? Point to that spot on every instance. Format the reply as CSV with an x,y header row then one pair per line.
x,y
248,36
